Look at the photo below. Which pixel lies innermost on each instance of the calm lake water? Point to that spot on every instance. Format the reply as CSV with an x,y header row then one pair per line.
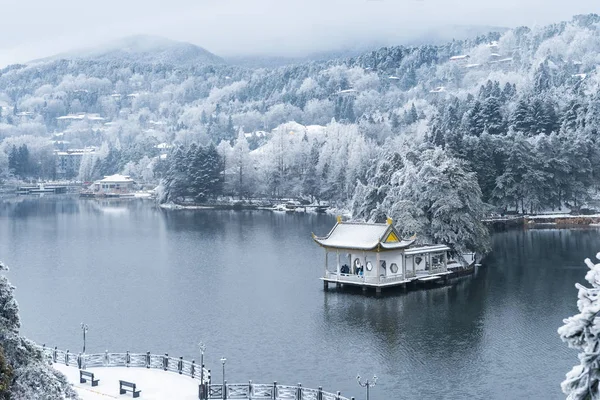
x,y
246,283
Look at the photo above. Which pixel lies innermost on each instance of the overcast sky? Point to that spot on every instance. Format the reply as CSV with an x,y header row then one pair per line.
x,y
32,29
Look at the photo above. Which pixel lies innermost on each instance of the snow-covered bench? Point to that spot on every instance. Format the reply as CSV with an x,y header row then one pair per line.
x,y
87,374
125,387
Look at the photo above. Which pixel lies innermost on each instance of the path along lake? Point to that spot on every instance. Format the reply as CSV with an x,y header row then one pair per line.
x,y
246,283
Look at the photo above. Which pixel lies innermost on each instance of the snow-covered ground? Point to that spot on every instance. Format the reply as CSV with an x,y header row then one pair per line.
x,y
154,384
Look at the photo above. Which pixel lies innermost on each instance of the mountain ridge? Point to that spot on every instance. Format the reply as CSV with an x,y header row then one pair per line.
x,y
142,48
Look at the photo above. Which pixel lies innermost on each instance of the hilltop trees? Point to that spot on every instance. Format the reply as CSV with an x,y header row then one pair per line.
x,y
23,373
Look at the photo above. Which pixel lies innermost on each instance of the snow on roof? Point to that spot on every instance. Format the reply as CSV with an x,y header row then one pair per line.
x,y
507,59
426,249
575,62
492,44
438,89
347,91
116,178
80,116
495,55
472,65
460,57
353,235
580,76
395,78
163,146
24,114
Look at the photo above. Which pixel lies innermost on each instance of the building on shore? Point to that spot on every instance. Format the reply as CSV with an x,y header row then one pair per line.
x,y
375,256
114,185
69,161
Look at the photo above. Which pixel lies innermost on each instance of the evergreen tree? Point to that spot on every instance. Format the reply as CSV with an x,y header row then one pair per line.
x,y
522,118
581,332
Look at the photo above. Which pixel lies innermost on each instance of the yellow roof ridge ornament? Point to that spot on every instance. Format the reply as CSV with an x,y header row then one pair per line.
x,y
389,221
339,219
413,237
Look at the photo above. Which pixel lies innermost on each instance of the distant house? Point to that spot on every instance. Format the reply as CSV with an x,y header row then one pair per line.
x,y
463,57
113,185
163,148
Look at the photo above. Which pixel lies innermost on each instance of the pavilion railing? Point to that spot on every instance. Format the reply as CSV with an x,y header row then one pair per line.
x,y
127,359
274,391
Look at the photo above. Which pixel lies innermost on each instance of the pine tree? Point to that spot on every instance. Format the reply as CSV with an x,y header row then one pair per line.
x,y
522,118
491,115
581,332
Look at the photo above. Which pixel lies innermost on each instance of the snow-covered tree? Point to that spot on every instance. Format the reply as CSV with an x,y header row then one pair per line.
x,y
23,372
582,332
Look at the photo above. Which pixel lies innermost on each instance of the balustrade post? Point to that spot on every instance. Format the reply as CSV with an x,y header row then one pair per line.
x,y
166,361
67,357
193,367
54,354
274,390
127,359
180,365
337,397
79,363
224,390
351,398
147,359
106,358
320,393
249,390
299,392
209,377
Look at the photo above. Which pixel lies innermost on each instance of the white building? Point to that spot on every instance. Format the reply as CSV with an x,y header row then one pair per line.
x,y
375,255
69,161
113,185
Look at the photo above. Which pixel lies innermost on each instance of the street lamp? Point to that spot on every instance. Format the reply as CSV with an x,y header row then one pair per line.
x,y
202,349
223,359
84,329
367,384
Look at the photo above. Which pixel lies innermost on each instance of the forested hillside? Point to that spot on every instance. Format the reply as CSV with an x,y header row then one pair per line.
x,y
511,119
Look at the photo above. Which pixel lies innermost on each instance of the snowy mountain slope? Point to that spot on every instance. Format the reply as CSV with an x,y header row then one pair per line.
x,y
144,49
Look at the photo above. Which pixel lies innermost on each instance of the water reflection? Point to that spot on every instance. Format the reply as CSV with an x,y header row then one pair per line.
x,y
247,284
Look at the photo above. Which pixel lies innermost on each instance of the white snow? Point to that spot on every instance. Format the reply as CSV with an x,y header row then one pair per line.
x,y
154,384
354,235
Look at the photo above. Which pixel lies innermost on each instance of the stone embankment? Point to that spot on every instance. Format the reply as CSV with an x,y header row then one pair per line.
x,y
541,221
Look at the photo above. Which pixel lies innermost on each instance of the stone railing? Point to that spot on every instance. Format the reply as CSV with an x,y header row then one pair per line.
x,y
206,389
274,391
127,359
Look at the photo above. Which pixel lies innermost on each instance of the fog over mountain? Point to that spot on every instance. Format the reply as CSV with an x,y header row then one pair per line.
x,y
260,27
144,49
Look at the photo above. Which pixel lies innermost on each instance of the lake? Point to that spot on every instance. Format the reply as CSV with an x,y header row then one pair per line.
x,y
246,283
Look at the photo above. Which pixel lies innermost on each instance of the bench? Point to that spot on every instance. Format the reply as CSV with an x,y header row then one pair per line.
x,y
125,387
89,375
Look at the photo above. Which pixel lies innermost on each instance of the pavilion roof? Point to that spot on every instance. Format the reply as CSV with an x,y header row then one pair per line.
x,y
363,236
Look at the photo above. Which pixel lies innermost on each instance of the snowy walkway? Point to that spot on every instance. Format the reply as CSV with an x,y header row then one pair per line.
x,y
155,384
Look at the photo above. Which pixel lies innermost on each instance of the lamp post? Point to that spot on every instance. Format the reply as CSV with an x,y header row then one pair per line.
x,y
84,329
367,384
202,349
223,359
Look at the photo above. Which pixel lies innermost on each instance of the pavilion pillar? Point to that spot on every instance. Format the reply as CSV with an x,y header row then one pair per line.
x,y
378,266
445,261
337,252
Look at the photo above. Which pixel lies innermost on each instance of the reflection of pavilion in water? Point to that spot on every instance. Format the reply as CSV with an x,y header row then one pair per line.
x,y
373,255
425,336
